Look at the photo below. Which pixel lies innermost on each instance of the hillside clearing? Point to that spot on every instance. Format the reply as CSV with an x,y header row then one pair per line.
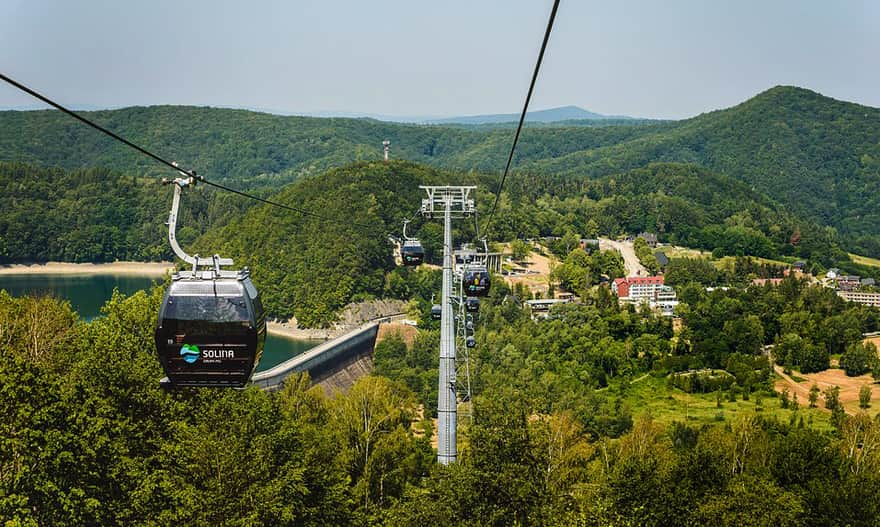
x,y
864,260
666,405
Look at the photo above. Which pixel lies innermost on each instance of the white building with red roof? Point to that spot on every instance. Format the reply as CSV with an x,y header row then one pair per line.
x,y
646,289
637,288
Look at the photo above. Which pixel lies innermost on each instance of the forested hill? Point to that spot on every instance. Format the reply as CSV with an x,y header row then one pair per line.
x,y
817,156
256,150
312,266
98,215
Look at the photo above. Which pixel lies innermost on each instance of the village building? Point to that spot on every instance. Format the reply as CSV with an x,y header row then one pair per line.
x,y
637,288
650,238
665,301
646,289
540,307
868,299
848,282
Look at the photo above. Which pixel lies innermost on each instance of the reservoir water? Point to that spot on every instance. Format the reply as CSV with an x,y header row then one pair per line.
x,y
87,293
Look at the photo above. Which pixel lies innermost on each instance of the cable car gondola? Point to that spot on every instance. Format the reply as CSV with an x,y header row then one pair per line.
x,y
436,312
412,253
211,329
476,280
212,326
472,304
471,342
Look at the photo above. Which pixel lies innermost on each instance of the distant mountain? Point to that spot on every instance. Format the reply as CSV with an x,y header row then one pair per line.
x,y
571,115
563,113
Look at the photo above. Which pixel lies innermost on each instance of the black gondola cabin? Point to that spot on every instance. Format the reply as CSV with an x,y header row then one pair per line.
x,y
436,312
412,253
211,330
476,280
472,304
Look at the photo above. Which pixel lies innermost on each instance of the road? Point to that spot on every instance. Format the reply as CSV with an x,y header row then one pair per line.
x,y
630,260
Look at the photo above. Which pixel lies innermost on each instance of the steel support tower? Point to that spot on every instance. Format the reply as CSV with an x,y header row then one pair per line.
x,y
453,203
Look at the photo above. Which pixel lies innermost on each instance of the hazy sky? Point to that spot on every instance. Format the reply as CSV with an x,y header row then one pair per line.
x,y
662,58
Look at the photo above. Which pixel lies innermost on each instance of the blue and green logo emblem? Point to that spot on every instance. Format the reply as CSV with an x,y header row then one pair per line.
x,y
190,353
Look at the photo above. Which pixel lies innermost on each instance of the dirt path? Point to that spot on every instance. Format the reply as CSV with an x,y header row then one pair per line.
x,y
801,389
630,260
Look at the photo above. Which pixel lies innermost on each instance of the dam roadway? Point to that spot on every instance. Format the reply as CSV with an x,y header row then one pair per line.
x,y
334,365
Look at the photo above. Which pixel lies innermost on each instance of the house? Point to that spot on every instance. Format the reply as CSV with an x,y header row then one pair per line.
x,y
798,268
541,307
868,282
848,282
650,238
662,259
833,273
637,288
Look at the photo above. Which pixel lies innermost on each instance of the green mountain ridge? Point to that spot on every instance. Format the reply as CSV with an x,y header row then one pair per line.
x,y
263,150
817,156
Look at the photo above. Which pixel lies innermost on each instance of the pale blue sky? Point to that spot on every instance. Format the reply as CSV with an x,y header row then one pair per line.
x,y
664,59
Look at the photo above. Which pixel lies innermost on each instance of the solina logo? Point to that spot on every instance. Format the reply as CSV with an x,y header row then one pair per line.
x,y
190,353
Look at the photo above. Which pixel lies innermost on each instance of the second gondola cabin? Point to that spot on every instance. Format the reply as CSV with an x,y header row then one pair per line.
x,y
412,253
211,331
476,280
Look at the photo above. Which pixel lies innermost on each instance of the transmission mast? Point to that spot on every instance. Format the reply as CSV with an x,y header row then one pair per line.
x,y
452,203
386,147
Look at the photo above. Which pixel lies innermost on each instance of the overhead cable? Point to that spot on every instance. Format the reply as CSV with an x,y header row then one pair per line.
x,y
170,164
522,116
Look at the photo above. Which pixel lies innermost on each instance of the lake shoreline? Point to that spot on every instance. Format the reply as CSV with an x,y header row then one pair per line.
x,y
287,329
153,269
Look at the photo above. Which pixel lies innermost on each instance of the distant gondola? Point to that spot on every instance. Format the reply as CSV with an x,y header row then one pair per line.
x,y
471,342
476,280
211,331
412,253
472,304
436,312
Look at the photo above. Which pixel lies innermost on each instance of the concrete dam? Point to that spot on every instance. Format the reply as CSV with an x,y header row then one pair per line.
x,y
334,365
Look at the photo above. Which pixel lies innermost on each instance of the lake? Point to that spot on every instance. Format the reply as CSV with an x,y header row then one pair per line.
x,y
87,293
